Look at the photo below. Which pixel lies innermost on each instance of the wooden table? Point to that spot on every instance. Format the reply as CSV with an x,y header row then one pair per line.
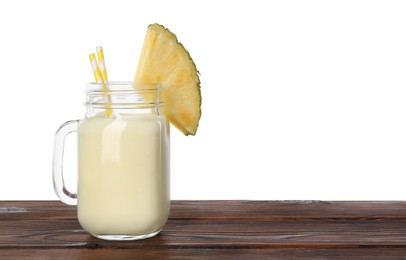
x,y
216,230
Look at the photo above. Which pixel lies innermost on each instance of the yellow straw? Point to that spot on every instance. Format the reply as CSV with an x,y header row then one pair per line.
x,y
99,79
102,64
96,70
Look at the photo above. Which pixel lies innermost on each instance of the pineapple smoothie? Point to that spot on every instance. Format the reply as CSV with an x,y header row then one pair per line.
x,y
123,185
123,140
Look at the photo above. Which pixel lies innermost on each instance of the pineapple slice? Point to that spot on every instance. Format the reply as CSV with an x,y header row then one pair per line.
x,y
164,60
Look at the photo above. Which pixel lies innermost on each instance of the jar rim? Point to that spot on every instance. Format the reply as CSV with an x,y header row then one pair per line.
x,y
120,86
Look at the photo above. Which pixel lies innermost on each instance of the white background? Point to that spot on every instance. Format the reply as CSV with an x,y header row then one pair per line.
x,y
301,99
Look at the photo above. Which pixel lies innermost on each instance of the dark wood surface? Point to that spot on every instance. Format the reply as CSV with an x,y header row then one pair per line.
x,y
216,230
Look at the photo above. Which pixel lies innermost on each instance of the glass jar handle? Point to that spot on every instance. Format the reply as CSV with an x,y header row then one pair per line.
x,y
64,195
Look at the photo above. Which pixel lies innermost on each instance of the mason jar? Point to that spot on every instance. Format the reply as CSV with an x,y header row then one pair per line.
x,y
123,189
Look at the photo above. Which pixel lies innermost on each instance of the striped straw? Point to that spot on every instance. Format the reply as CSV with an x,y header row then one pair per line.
x,y
96,71
102,64
99,79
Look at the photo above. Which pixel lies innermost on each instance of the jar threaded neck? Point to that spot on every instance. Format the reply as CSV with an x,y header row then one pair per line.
x,y
123,95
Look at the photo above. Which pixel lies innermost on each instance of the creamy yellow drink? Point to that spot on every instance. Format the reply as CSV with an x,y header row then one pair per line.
x,y
123,186
123,141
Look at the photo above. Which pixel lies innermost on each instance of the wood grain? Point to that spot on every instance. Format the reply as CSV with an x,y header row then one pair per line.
x,y
216,230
